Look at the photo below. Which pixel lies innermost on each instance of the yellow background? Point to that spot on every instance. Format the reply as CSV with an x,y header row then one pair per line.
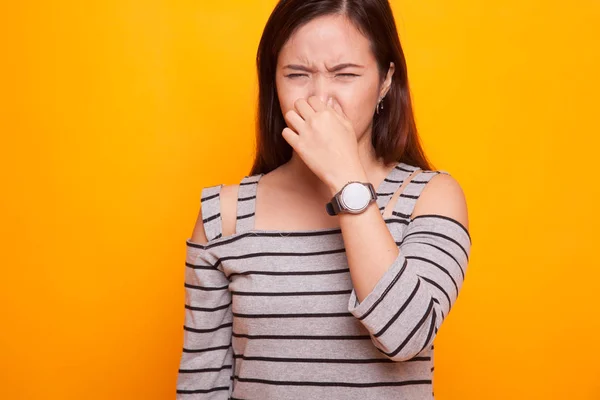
x,y
114,114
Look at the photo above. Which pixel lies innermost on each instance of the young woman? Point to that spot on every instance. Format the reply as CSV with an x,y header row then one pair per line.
x,y
328,271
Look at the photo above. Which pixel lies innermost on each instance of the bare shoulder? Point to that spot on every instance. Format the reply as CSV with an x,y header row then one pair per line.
x,y
228,205
444,196
229,195
198,234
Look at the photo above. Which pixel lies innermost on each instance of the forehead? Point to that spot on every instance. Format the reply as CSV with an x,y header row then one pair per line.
x,y
329,39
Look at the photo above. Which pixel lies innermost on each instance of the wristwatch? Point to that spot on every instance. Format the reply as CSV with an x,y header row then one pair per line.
x,y
353,198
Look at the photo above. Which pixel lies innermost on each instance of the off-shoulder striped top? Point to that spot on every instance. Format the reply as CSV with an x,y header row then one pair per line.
x,y
273,314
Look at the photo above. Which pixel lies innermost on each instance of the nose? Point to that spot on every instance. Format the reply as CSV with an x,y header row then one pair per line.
x,y
321,88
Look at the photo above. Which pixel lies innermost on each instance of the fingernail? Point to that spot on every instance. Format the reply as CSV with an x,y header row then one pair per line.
x,y
330,101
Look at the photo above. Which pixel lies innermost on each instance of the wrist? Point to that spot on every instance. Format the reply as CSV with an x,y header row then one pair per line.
x,y
336,184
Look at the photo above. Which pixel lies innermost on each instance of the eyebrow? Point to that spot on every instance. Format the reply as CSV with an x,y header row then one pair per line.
x,y
338,67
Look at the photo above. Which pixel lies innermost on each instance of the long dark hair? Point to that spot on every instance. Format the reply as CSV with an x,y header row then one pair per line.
x,y
394,134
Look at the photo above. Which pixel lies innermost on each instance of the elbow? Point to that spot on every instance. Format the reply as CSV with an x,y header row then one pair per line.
x,y
413,342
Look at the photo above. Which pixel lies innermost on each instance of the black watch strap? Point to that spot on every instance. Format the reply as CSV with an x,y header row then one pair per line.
x,y
333,207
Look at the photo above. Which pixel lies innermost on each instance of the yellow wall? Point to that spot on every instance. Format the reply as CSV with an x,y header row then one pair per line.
x,y
114,114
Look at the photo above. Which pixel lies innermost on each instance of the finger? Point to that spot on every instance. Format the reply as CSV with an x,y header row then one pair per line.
x,y
338,112
316,103
294,121
338,108
303,109
291,137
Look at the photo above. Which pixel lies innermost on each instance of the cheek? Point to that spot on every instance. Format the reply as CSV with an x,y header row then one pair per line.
x,y
287,95
359,109
287,100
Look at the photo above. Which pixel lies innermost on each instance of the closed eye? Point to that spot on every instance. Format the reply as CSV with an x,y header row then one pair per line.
x,y
299,75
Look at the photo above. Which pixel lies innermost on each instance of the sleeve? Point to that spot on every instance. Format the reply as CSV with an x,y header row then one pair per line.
x,y
206,364
407,306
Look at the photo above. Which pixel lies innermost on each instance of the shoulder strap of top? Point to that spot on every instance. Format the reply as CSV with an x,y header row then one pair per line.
x,y
392,182
211,211
408,197
246,203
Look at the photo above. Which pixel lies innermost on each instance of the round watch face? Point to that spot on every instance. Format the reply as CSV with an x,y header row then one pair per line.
x,y
355,196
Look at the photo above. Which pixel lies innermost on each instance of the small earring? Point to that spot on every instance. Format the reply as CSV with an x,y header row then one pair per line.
x,y
379,105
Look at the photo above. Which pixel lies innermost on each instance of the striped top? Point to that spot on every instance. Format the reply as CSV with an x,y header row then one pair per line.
x,y
272,314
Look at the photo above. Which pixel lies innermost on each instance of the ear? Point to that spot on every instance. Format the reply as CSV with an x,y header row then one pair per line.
x,y
387,83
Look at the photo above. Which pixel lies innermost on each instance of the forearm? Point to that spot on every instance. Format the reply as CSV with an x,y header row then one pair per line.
x,y
370,247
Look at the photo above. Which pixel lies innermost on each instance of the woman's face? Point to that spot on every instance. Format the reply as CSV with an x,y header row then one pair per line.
x,y
329,57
